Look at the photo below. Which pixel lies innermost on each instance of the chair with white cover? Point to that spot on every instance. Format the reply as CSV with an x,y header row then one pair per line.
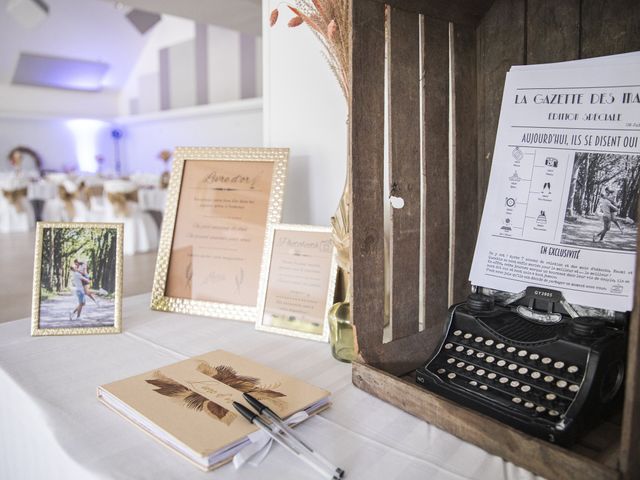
x,y
66,207
91,192
140,231
16,212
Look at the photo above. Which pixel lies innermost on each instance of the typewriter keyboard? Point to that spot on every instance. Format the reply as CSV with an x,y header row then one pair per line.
x,y
525,380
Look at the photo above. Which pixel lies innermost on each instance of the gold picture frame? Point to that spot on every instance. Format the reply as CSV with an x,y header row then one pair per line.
x,y
299,264
57,285
235,190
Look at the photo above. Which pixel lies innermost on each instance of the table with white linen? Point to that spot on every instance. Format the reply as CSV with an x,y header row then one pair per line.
x,y
152,198
42,190
52,426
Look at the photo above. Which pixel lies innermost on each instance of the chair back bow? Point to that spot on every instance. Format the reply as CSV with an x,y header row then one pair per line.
x,y
14,197
120,200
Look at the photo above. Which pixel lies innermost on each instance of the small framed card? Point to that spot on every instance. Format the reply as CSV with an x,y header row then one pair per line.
x,y
298,281
77,279
220,204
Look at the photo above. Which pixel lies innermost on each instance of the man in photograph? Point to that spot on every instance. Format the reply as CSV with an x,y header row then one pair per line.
x,y
609,211
78,287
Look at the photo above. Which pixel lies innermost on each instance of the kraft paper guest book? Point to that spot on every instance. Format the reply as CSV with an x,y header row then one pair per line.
x,y
187,406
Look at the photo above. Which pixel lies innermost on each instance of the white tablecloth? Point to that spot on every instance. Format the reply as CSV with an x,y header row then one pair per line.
x,y
152,198
53,427
42,190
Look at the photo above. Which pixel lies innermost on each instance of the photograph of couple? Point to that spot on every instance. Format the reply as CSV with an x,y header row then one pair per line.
x,y
603,200
78,278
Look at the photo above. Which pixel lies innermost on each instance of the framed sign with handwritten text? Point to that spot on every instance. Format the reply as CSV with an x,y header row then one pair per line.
x,y
220,205
297,290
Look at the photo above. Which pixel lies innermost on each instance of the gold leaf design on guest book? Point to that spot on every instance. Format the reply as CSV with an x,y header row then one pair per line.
x,y
231,378
170,388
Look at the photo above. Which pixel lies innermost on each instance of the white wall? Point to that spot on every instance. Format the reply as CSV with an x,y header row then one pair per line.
x,y
21,100
304,109
55,139
232,124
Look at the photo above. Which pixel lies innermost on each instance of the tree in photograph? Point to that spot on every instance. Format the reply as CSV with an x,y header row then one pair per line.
x,y
61,246
593,172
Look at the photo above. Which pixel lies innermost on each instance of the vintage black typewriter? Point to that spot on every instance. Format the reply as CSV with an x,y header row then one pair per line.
x,y
531,362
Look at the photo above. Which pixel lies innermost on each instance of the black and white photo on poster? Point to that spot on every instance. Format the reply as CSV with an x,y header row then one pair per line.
x,y
602,203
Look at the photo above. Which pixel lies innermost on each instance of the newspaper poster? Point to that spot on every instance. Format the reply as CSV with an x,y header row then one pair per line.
x,y
561,206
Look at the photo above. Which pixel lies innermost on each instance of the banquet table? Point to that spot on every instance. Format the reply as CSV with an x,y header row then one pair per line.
x,y
152,199
53,427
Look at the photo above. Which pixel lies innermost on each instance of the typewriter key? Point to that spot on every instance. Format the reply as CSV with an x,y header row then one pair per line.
x,y
574,388
548,378
550,396
501,363
516,400
451,360
561,384
478,339
522,353
514,383
451,376
523,370
484,387
460,364
467,336
554,413
490,359
512,366
459,348
480,354
473,383
529,404
546,360
480,372
503,380
525,388
448,346
511,349
491,375
441,371
457,333
572,369
470,368
500,346
534,357
536,375
469,352
558,365
489,342
540,409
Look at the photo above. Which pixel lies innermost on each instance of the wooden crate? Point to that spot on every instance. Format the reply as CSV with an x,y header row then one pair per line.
x,y
467,48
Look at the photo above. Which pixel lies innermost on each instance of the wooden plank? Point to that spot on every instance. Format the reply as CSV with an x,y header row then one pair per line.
x,y
630,438
464,12
367,157
465,166
553,31
610,26
500,44
436,170
404,169
408,353
497,438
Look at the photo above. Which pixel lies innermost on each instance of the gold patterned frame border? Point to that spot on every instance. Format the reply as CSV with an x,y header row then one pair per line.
x,y
277,156
264,283
37,270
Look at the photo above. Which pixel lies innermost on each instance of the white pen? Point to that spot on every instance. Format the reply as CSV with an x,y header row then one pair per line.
x,y
262,409
256,420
